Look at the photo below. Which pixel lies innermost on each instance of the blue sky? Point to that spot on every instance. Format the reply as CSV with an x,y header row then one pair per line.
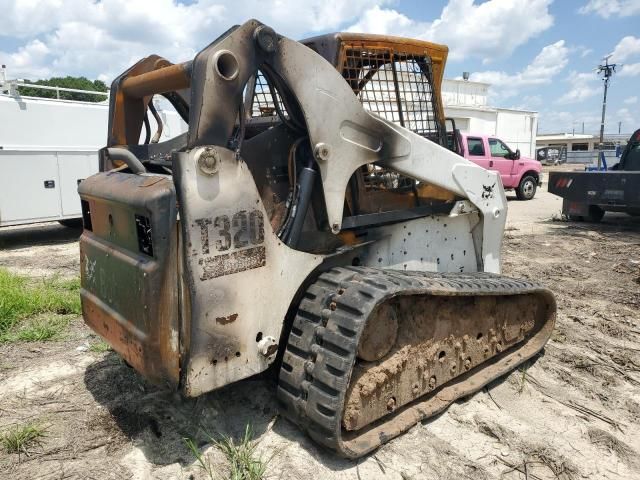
x,y
537,54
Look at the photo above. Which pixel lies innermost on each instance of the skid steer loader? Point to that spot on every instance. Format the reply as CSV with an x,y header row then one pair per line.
x,y
313,218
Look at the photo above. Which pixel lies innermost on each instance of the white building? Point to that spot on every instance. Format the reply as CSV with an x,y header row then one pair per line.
x,y
467,103
580,142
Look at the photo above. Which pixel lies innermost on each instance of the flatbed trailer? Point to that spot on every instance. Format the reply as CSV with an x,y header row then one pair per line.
x,y
588,195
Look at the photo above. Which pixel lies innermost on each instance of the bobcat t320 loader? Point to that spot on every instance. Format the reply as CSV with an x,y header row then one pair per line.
x,y
313,217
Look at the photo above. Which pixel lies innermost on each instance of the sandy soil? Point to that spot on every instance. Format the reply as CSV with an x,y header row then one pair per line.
x,y
572,413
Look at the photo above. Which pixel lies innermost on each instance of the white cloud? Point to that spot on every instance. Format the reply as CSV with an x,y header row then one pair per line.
x,y
582,86
31,57
547,64
528,102
610,8
554,121
631,100
101,39
585,52
630,70
491,29
385,22
626,48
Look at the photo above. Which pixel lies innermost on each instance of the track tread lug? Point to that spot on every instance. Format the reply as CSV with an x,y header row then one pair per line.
x,y
323,343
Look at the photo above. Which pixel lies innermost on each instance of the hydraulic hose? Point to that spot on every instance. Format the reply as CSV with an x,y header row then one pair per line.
x,y
156,116
305,180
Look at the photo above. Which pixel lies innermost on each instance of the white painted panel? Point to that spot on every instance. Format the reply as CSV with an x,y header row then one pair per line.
x,y
463,93
462,124
23,196
52,124
47,124
517,129
74,166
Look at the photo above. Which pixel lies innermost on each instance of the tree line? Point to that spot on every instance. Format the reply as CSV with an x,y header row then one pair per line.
x,y
78,83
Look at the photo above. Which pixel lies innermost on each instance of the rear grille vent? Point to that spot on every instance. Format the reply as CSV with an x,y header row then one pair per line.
x,y
145,235
86,215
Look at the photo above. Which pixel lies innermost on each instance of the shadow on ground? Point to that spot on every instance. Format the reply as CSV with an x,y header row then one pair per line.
x,y
158,420
612,225
37,235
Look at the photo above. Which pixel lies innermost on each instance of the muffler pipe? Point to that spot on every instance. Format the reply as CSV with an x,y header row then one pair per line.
x,y
127,157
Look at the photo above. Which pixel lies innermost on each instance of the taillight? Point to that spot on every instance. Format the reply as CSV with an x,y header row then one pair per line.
x,y
564,182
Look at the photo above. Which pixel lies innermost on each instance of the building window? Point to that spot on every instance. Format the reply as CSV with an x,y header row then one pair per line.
x,y
579,147
475,147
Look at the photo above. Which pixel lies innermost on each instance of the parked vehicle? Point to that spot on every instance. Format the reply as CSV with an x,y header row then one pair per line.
x,y
48,146
521,174
551,155
588,195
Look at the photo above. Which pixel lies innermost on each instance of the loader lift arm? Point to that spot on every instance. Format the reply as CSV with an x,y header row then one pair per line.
x,y
343,135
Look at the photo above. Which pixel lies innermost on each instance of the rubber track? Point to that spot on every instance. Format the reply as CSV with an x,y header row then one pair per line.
x,y
322,345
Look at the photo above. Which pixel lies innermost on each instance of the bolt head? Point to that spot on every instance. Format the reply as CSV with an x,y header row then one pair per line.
x,y
268,346
322,151
391,404
208,161
266,38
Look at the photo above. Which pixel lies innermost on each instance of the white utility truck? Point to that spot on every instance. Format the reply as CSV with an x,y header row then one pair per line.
x,y
47,147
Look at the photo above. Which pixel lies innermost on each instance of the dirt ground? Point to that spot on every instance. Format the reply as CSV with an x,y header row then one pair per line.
x,y
573,412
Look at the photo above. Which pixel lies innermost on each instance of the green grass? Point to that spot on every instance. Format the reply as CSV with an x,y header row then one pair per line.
x,y
243,462
242,458
203,462
100,347
37,330
522,383
42,301
22,438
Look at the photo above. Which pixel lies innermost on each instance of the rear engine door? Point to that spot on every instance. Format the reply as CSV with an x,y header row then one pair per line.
x,y
128,261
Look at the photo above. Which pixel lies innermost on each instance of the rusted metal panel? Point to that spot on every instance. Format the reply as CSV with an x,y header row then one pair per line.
x,y
161,80
129,279
132,91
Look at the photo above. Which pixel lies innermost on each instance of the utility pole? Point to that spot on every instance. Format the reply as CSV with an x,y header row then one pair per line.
x,y
607,71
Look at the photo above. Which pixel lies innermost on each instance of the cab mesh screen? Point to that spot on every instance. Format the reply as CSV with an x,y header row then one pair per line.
x,y
395,85
263,98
